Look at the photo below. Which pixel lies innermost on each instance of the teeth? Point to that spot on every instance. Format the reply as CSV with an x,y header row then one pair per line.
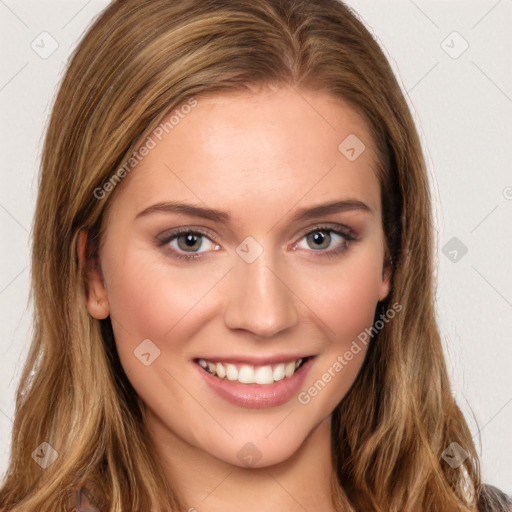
x,y
279,372
248,374
220,371
264,375
231,372
289,369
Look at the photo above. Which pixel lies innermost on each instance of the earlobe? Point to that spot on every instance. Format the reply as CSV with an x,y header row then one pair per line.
x,y
96,294
385,285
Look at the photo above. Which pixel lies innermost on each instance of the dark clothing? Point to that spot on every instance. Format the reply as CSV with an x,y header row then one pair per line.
x,y
494,500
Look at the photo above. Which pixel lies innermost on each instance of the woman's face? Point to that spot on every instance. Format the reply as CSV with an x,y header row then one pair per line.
x,y
271,280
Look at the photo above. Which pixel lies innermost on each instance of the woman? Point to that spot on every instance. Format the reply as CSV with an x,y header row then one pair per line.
x,y
196,345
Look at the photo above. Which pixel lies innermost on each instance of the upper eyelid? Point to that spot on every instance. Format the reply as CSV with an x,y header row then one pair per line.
x,y
174,233
328,226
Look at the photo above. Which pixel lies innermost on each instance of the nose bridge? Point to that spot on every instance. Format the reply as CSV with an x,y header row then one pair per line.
x,y
259,298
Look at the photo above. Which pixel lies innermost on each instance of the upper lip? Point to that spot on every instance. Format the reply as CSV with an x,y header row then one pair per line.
x,y
254,360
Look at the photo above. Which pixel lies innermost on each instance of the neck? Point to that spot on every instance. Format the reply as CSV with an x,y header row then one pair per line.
x,y
205,483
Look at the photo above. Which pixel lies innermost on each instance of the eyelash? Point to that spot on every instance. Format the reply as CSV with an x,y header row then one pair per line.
x,y
346,233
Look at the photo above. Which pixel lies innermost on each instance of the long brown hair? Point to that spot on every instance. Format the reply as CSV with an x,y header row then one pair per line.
x,y
138,61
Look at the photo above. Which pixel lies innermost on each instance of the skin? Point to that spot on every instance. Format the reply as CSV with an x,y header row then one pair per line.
x,y
261,156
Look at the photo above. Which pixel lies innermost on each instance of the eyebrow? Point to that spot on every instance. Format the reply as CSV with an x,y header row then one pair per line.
x,y
303,214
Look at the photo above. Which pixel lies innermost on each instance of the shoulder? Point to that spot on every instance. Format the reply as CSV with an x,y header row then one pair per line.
x,y
491,499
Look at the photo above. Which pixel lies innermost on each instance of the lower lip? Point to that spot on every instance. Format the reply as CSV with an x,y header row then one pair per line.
x,y
257,396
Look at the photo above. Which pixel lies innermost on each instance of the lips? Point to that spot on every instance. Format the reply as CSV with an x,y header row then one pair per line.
x,y
245,373
254,395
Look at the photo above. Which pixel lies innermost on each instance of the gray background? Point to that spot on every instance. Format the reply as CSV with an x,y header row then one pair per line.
x,y
462,102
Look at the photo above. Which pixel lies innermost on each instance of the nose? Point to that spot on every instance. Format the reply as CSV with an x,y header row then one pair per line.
x,y
260,298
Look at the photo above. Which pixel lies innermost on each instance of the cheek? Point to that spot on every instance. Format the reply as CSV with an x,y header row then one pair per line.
x,y
151,299
136,287
141,302
345,301
344,297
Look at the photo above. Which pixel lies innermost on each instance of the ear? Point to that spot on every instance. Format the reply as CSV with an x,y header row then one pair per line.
x,y
387,272
97,298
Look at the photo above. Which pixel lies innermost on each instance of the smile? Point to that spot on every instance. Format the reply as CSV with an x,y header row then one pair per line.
x,y
268,382
251,374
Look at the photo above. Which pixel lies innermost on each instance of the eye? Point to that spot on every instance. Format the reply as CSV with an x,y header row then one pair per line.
x,y
187,243
322,238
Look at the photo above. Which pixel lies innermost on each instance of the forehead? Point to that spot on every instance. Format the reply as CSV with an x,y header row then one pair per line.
x,y
250,151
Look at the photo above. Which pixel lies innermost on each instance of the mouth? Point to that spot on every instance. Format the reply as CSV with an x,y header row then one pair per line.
x,y
267,383
245,373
